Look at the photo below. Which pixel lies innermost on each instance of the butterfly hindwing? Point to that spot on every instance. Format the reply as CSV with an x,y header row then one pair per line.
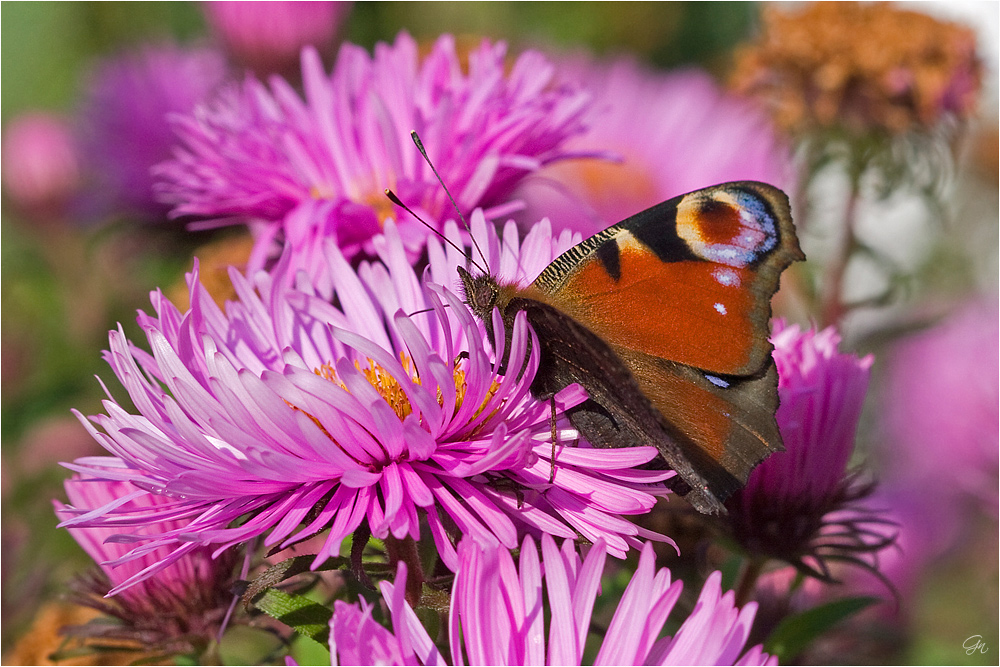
x,y
617,412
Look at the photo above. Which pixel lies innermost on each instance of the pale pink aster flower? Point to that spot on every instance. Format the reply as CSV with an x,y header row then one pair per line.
x,y
41,165
496,616
268,36
673,132
802,505
179,610
123,123
303,170
297,416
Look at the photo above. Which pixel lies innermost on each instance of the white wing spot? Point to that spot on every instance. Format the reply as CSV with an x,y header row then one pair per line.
x,y
726,277
720,308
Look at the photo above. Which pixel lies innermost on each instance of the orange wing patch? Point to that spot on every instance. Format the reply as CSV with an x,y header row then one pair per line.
x,y
693,312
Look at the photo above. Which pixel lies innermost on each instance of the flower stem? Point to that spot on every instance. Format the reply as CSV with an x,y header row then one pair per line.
x,y
748,580
834,309
406,550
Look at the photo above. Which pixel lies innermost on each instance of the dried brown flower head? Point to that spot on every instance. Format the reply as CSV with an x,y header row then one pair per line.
x,y
860,66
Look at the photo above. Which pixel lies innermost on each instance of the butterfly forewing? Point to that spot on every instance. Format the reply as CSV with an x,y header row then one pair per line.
x,y
689,280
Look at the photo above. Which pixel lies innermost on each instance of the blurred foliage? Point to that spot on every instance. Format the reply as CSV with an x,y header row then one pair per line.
x,y
664,33
47,47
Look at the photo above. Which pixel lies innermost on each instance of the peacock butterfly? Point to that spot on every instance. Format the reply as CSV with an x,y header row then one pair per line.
x,y
663,320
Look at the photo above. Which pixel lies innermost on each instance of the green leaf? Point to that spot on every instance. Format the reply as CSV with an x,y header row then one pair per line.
x,y
307,652
308,618
796,632
286,569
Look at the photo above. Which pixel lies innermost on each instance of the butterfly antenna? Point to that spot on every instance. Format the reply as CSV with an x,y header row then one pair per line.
x,y
424,310
420,147
398,202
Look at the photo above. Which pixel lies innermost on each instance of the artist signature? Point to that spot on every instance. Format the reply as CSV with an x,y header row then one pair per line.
x,y
973,644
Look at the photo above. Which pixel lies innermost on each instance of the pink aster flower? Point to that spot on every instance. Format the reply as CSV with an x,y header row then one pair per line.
x,y
941,409
939,445
124,124
307,169
268,37
179,610
496,616
801,505
286,416
673,132
41,165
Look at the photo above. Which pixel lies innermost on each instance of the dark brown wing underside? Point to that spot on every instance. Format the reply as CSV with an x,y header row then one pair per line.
x,y
619,413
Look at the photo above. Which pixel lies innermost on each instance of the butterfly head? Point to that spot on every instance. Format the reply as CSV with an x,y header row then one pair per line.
x,y
481,293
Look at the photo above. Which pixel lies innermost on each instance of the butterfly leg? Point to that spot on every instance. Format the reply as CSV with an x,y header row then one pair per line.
x,y
507,484
552,461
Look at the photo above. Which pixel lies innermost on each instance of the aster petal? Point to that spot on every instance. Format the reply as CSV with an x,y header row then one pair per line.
x,y
357,639
563,639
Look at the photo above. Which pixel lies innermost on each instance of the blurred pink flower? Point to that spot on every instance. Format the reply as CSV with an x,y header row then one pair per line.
x,y
801,505
674,131
304,170
496,615
941,412
268,36
124,127
179,609
939,444
41,165
922,528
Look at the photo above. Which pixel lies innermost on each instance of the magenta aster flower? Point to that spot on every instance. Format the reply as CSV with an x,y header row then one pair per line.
x,y
673,132
124,119
41,165
308,169
801,505
496,616
268,37
180,610
287,416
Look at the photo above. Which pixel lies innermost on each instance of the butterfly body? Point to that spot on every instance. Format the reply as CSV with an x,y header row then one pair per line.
x,y
663,320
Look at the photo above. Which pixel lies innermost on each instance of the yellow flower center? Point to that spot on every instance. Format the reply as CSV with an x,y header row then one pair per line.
x,y
369,194
390,389
383,208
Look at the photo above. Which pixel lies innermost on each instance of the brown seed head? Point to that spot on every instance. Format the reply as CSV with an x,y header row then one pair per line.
x,y
861,66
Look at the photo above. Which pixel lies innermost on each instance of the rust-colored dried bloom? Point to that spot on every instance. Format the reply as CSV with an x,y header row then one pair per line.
x,y
862,66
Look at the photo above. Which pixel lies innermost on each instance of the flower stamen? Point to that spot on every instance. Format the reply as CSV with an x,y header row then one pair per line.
x,y
390,389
